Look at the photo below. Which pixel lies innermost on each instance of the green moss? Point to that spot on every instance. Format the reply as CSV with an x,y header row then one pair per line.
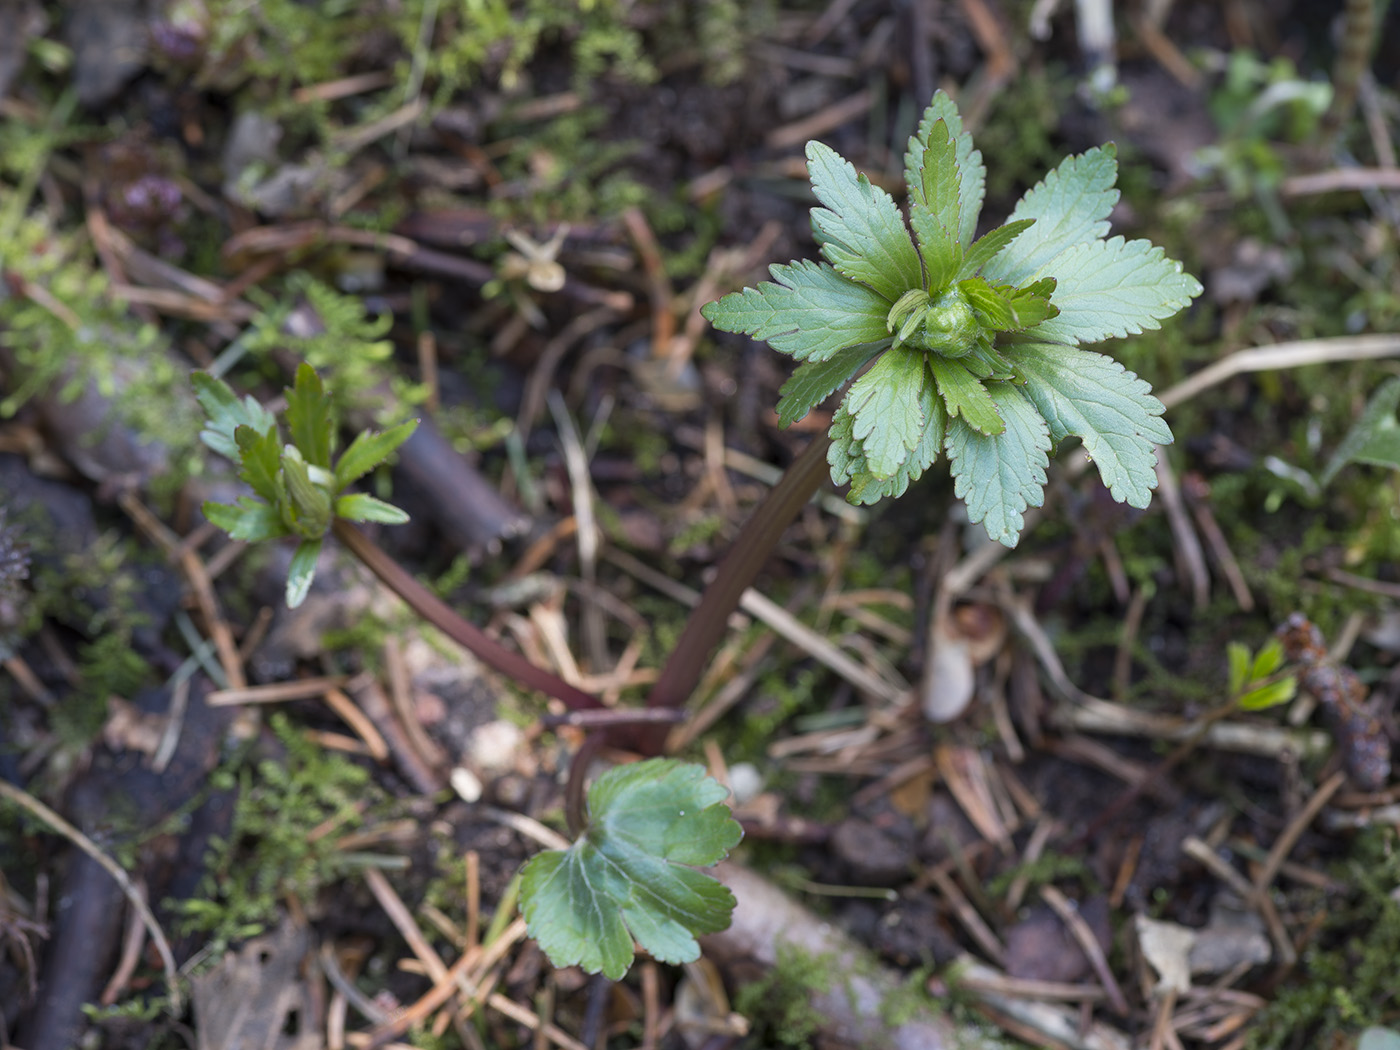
x,y
1020,129
1347,977
779,1005
1045,870
270,850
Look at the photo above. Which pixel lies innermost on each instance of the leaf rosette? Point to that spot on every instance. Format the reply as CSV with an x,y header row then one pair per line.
x,y
971,346
298,490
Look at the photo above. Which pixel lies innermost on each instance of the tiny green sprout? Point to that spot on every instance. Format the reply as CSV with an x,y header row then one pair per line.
x,y
1256,682
299,488
963,344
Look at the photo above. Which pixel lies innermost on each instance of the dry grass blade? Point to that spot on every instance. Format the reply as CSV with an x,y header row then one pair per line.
x,y
60,826
1088,943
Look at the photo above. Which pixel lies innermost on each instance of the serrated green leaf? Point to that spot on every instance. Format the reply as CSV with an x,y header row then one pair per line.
x,y
1375,437
369,450
302,571
226,413
998,476
1109,289
965,396
1109,408
309,417
260,456
1271,695
847,457
811,312
989,245
1070,206
813,382
1238,656
861,231
357,506
986,362
884,404
248,520
626,877
1004,308
972,174
934,210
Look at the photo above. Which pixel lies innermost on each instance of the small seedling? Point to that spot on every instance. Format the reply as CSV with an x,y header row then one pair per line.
x,y
970,346
1255,681
300,492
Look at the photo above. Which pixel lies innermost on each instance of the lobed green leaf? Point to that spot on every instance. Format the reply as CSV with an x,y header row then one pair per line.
x,y
997,476
861,231
884,405
1070,206
302,571
813,382
357,506
1109,289
965,396
812,312
248,520
625,876
1109,408
1005,308
1237,653
847,457
309,417
972,174
1270,695
935,210
989,245
260,455
369,450
226,413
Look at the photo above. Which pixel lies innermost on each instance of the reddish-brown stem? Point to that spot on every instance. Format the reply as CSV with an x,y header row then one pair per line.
x,y
736,572
447,620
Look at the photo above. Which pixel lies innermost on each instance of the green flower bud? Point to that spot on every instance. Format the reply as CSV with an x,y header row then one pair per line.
x,y
950,326
946,326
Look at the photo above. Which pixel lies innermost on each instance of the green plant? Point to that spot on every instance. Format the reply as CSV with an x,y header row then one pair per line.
x,y
300,493
970,346
973,346
1255,681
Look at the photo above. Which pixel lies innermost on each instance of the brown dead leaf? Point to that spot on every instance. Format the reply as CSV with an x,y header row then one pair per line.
x,y
257,998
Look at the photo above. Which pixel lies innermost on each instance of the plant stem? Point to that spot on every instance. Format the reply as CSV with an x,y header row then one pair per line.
x,y
748,554
575,794
447,620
